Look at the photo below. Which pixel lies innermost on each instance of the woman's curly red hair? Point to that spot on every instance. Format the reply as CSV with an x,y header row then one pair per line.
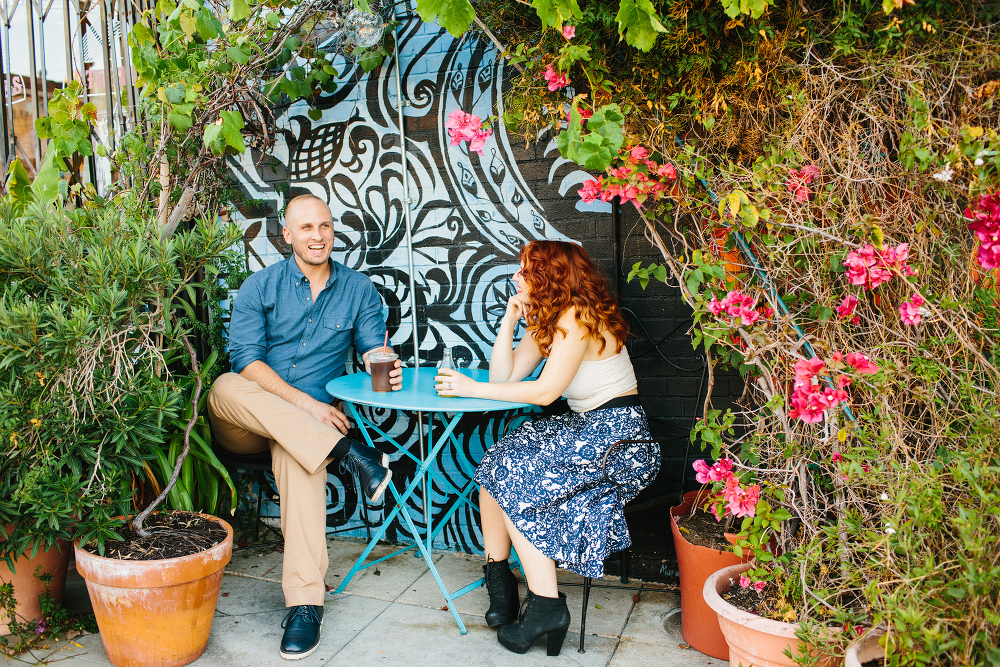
x,y
561,275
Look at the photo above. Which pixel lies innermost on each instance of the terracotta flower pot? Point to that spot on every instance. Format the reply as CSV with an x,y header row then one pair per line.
x,y
155,613
754,641
27,587
866,648
699,623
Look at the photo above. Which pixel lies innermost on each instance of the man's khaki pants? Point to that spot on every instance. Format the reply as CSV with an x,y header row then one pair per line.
x,y
246,419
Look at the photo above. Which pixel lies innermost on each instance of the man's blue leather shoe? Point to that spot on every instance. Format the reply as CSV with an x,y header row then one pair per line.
x,y
301,636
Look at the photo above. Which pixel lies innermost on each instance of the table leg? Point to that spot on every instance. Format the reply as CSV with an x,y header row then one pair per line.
x,y
437,577
400,507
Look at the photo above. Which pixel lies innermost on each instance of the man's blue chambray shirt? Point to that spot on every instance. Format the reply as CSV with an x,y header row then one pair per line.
x,y
275,321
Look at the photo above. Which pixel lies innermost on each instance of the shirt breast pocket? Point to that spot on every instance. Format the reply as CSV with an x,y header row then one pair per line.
x,y
335,325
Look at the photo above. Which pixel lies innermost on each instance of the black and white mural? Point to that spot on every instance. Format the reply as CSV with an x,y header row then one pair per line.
x,y
468,214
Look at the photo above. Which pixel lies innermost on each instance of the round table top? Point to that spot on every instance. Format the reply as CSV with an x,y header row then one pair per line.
x,y
418,393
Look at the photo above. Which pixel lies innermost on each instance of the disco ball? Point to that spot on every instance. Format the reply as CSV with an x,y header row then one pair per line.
x,y
362,29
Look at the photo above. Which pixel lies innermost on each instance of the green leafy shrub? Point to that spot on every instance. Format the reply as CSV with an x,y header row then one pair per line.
x,y
91,356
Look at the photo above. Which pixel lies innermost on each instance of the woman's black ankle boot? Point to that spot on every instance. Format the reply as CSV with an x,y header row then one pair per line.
x,y
540,616
502,587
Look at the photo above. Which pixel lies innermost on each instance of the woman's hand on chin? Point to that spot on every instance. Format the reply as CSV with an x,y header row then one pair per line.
x,y
516,307
452,383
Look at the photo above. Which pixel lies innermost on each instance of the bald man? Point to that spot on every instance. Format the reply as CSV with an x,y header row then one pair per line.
x,y
293,325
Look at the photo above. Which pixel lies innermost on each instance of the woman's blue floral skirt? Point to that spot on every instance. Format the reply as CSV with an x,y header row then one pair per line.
x,y
547,477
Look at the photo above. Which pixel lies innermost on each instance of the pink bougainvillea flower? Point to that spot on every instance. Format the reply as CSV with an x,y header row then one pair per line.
x,y
639,153
742,502
807,368
809,172
556,80
583,111
870,267
861,363
569,31
464,126
666,171
722,471
760,585
837,457
744,580
736,304
985,216
702,470
479,140
591,190
847,306
798,182
909,311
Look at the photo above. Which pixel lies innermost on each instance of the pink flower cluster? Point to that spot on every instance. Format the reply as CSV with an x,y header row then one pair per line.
x,y
636,179
810,399
467,127
740,501
736,304
846,309
799,179
746,582
871,267
584,115
556,80
909,311
985,224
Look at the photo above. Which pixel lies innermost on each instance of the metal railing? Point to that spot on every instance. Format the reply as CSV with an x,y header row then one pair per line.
x,y
46,44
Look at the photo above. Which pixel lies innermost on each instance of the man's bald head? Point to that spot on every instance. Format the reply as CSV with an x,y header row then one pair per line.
x,y
296,202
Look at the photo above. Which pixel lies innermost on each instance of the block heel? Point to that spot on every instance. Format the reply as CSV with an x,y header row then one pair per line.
x,y
540,616
554,641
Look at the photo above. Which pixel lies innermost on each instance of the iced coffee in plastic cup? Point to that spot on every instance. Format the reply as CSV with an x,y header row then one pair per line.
x,y
381,363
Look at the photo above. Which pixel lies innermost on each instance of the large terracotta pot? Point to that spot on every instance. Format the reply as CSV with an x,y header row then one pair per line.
x,y
28,588
754,641
865,649
155,613
699,623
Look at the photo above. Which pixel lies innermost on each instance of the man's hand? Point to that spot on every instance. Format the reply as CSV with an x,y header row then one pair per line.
x,y
329,415
396,376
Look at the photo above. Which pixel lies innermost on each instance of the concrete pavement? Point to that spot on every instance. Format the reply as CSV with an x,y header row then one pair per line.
x,y
393,614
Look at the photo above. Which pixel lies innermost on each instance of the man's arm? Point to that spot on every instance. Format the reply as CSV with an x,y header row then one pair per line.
x,y
265,376
248,351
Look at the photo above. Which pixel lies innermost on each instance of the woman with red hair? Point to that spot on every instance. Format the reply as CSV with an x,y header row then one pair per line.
x,y
542,489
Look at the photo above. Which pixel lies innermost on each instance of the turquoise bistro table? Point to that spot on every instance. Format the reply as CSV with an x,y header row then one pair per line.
x,y
419,396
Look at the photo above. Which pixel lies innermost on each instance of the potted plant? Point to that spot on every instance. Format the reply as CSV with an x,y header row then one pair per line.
x,y
755,639
92,352
697,559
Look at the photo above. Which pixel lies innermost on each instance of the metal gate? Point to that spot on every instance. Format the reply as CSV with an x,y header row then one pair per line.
x,y
46,44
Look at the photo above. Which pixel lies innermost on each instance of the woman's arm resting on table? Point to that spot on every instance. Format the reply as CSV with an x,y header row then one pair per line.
x,y
563,362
